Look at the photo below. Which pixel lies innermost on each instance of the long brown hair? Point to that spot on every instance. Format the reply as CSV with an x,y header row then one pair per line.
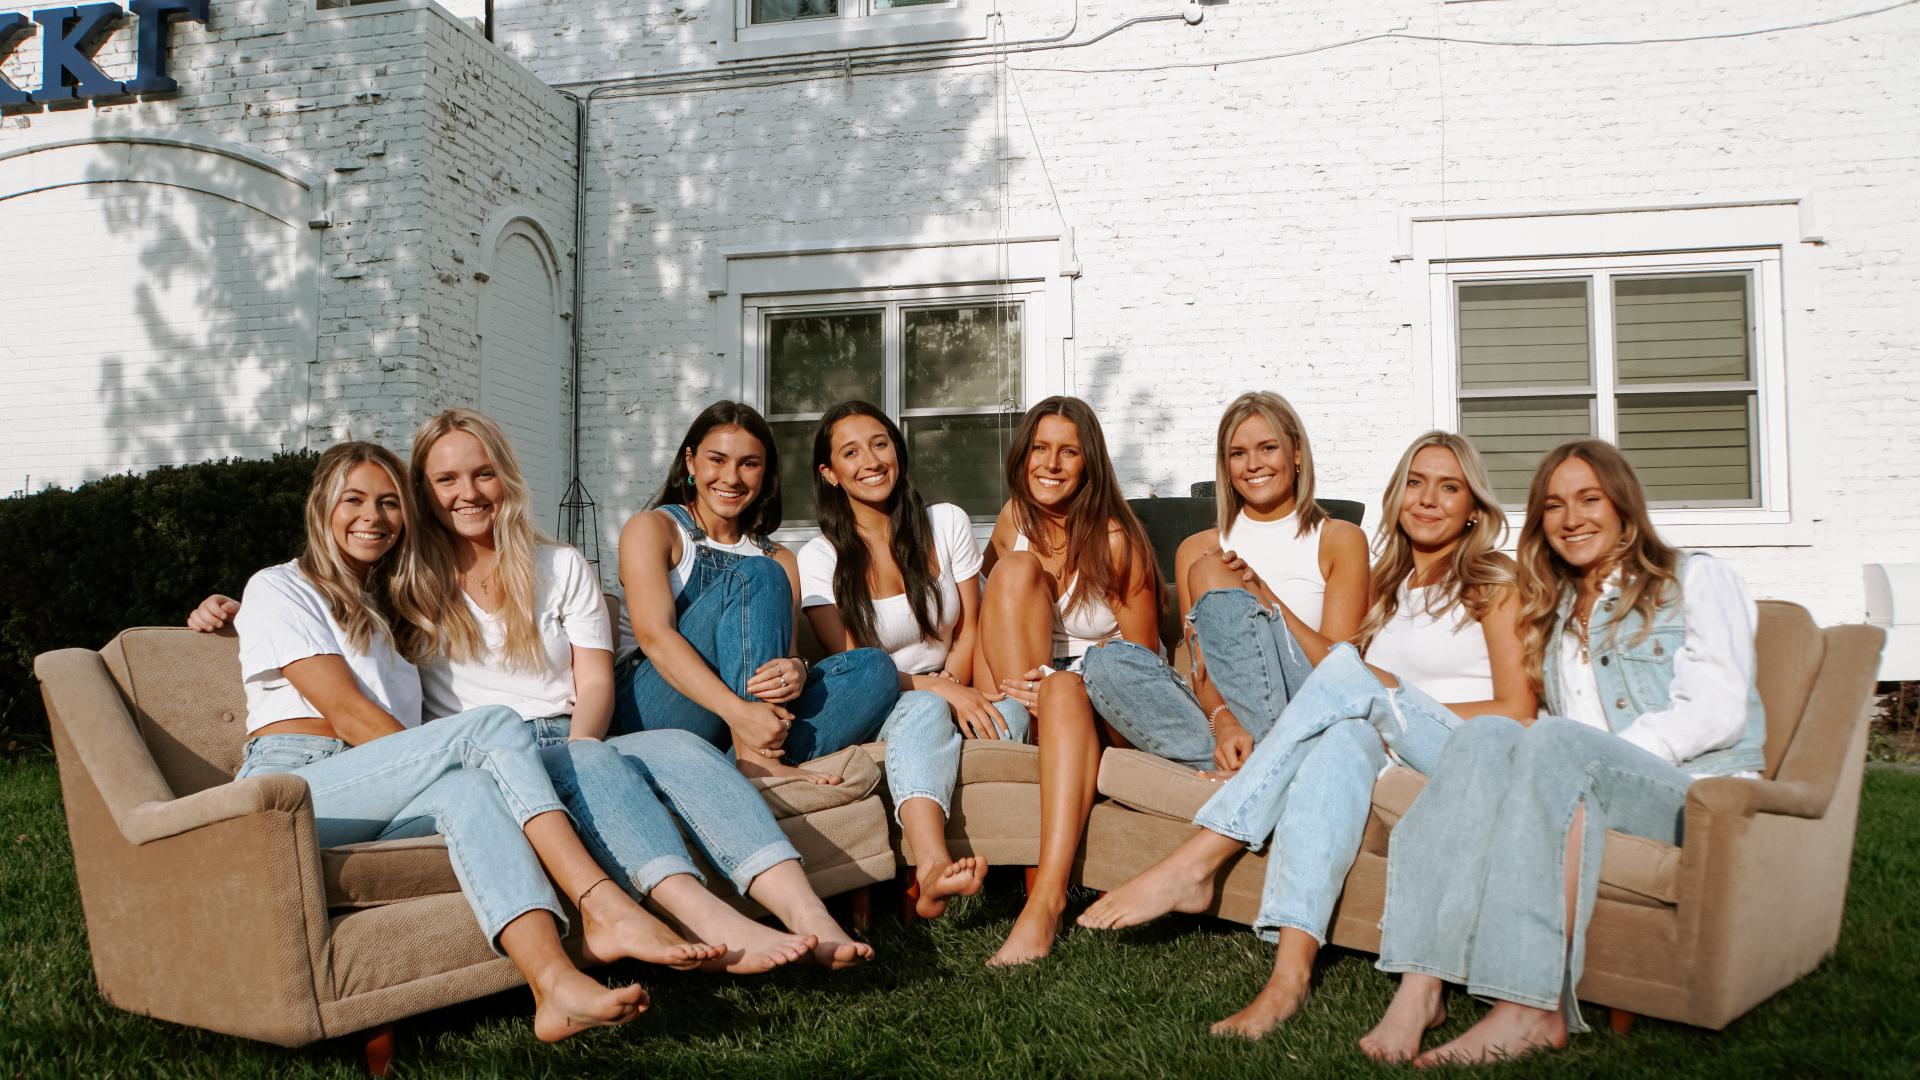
x,y
444,623
761,516
1285,422
360,601
1475,572
1097,508
1648,567
912,535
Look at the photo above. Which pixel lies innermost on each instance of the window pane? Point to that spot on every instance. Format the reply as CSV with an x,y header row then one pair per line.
x,y
1691,448
814,362
777,11
1682,329
958,459
1531,334
1512,434
795,439
958,356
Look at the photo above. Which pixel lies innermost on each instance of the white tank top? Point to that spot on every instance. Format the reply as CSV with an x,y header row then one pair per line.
x,y
689,551
1445,657
1287,562
1081,628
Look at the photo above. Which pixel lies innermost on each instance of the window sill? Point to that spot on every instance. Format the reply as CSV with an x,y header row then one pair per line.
x,y
766,43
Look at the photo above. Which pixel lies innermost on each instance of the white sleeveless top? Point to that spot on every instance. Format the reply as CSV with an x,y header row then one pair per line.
x,y
1445,657
1077,629
690,550
1288,563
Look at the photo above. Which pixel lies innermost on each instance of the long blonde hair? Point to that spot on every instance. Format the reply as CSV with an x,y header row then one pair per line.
x,y
360,602
1476,572
444,623
1285,422
1648,567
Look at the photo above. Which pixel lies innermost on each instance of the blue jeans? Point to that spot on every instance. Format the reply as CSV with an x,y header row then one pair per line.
x,y
475,778
620,791
1309,784
923,746
1251,658
737,613
1476,887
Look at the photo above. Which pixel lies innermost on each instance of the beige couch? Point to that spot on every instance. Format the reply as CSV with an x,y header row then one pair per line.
x,y
208,901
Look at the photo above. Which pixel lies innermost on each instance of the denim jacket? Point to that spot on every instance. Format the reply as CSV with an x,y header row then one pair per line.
x,y
1635,676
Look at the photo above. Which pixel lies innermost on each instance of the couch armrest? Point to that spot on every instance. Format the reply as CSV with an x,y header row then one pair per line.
x,y
1746,796
160,820
82,697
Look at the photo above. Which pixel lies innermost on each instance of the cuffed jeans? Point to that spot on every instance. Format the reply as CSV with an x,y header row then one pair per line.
x,y
1251,658
1476,880
1309,784
620,791
923,746
475,778
737,613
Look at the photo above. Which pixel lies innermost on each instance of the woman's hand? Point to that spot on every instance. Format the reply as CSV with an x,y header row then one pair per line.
x,y
1237,565
973,711
760,726
779,679
1026,689
213,614
1232,744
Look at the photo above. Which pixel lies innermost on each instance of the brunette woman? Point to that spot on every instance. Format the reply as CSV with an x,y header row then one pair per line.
x,y
1441,645
713,600
1070,567
1644,659
891,572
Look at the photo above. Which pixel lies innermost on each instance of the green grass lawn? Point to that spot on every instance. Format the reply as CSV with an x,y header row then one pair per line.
x,y
1131,1004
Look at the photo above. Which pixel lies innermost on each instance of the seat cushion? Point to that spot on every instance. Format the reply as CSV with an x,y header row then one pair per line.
x,y
1153,785
386,871
792,796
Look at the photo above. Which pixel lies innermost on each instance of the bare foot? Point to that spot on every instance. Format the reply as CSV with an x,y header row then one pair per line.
x,y
940,882
1183,881
1032,935
616,928
834,948
752,947
1276,1002
1508,1031
753,765
570,1002
1418,1007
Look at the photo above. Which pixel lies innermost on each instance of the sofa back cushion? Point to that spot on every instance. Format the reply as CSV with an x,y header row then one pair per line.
x,y
184,690
1788,649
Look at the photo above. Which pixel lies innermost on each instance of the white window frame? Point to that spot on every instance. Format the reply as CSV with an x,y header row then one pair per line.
x,y
751,282
858,26
1771,240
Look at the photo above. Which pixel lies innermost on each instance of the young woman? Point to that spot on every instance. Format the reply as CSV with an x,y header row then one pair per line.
x,y
332,699
1645,662
509,618
889,571
1442,630
713,602
1275,568
1070,567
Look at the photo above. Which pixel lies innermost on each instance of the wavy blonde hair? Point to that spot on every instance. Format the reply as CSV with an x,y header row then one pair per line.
x,y
360,600
1280,416
1648,566
441,622
1476,572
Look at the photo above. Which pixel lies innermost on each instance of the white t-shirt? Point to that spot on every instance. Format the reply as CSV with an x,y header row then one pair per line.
x,y
959,556
1445,657
569,610
283,618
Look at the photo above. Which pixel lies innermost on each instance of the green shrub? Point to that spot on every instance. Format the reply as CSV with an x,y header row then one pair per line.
x,y
81,565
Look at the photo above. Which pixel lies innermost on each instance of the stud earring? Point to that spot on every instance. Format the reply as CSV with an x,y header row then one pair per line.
x,y
1472,521
689,479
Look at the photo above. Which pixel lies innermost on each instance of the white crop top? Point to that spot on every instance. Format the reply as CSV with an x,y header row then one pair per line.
x,y
1077,628
1445,657
1287,562
283,618
959,558
625,644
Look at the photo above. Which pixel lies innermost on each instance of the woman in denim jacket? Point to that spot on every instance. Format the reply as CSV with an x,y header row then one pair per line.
x,y
1645,662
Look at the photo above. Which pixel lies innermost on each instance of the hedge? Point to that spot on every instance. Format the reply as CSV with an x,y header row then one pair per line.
x,y
78,566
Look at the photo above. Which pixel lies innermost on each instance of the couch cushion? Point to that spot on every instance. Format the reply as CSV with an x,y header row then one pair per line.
x,y
185,692
1153,785
984,761
791,796
386,871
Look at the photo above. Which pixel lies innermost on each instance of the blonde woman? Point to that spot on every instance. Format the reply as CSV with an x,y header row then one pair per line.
x,y
1442,645
332,698
1644,660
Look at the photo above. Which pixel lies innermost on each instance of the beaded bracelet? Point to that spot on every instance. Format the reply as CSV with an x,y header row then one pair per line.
x,y
1215,715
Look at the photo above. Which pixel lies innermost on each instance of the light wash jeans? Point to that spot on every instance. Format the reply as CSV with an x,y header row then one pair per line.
x,y
475,778
1476,885
1309,784
1251,657
620,791
737,613
923,746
